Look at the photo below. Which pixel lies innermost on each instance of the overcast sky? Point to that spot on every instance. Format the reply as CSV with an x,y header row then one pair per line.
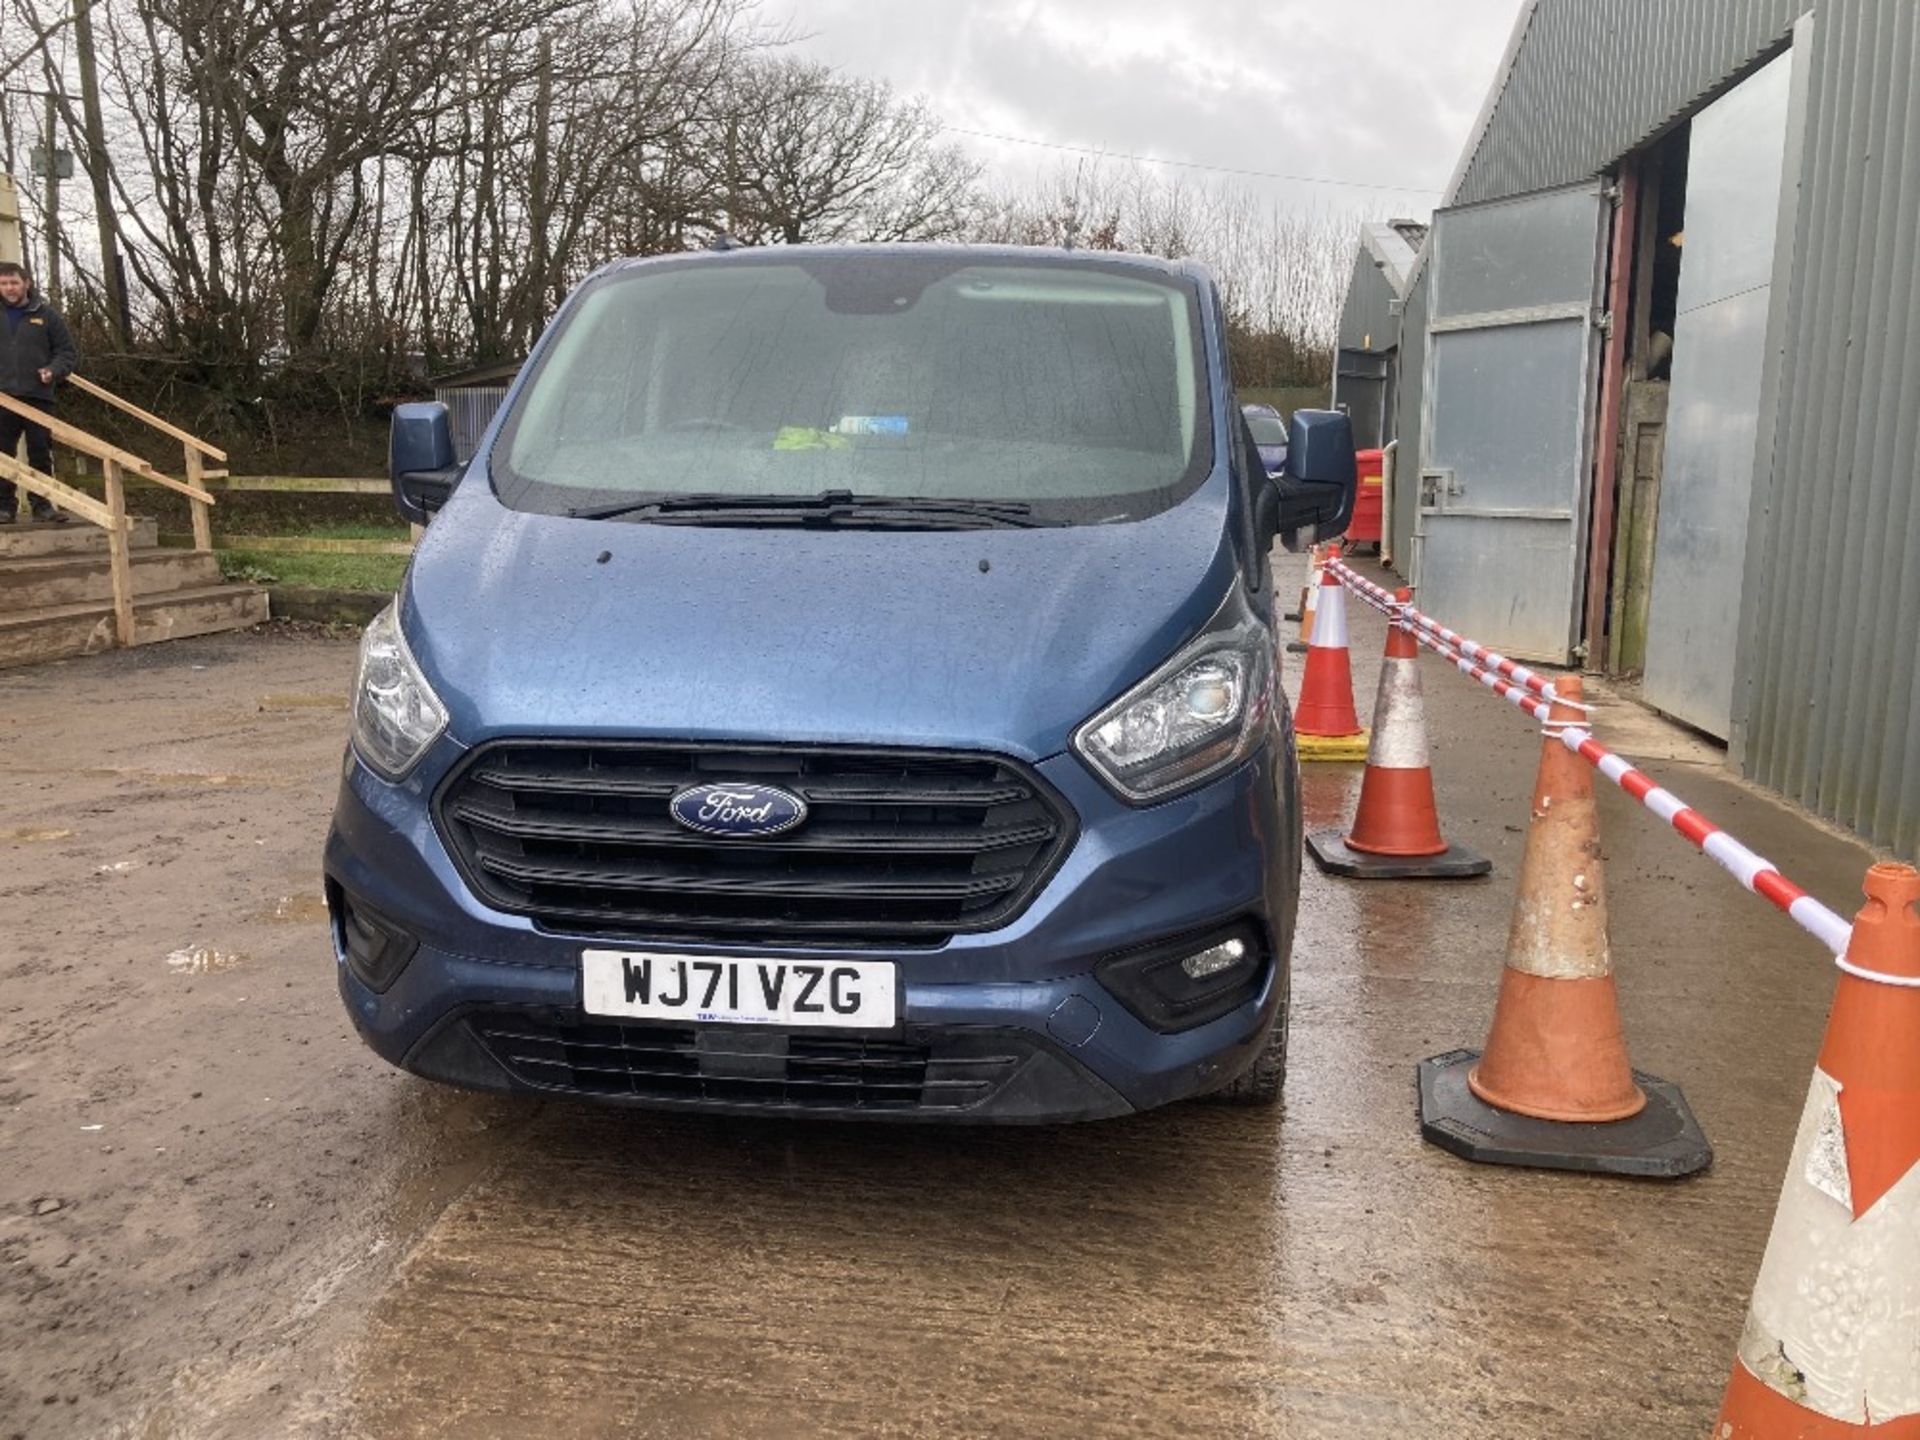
x,y
1381,92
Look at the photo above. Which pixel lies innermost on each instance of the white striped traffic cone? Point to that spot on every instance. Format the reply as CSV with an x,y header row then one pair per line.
x,y
1396,829
1832,1342
1324,720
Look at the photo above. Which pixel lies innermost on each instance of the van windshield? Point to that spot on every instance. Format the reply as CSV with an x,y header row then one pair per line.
x,y
1074,388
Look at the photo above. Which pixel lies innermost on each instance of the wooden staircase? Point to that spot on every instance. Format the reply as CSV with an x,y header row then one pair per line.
x,y
72,590
56,592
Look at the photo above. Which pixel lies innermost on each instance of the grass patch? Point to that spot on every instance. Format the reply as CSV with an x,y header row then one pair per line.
x,y
356,531
370,573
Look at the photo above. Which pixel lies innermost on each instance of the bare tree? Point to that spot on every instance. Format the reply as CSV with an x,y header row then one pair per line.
x,y
295,182
608,124
312,91
1282,273
811,155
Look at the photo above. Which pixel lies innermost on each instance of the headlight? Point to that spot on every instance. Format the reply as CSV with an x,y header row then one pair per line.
x,y
396,715
1199,714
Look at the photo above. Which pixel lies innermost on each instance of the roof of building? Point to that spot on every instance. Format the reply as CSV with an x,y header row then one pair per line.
x,y
1583,82
1394,246
500,372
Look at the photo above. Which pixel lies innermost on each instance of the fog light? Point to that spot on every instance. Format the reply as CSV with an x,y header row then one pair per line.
x,y
1214,959
1180,983
375,948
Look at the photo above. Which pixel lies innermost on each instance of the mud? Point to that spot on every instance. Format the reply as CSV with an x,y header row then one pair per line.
x,y
219,1216
230,1168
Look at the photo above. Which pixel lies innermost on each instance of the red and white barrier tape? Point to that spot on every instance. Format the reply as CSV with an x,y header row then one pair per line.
x,y
1514,682
1383,599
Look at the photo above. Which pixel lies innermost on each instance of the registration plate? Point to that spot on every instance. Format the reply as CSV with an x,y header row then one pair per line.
x,y
652,985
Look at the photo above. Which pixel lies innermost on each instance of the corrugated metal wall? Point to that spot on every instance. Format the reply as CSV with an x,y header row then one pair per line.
x,y
1412,391
1367,321
1830,662
472,408
1596,78
1827,696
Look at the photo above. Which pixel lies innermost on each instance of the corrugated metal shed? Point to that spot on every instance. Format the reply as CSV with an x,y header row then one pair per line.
x,y
1366,371
470,410
1367,321
472,398
1382,265
1827,692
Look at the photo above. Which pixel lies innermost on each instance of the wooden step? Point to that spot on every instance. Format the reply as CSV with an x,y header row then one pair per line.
x,y
63,630
76,579
33,542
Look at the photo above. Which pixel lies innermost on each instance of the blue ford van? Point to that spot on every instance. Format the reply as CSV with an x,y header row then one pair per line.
x,y
840,683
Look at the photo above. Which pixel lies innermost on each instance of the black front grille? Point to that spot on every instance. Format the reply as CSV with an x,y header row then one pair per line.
x,y
743,1067
899,846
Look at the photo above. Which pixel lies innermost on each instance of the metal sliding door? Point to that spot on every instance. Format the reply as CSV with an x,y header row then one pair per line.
x,y
1713,411
1511,375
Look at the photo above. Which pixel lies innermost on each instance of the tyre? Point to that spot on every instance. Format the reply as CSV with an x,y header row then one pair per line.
x,y
1262,1082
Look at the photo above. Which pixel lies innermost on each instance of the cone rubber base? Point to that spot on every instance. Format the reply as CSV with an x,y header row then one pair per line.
x,y
1348,749
1332,854
1662,1142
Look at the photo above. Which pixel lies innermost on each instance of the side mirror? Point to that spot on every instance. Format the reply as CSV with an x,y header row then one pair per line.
x,y
420,463
1318,489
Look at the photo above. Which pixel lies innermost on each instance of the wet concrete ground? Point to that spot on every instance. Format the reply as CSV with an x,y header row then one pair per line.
x,y
219,1216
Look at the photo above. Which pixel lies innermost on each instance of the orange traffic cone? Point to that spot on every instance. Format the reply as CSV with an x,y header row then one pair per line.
x,y
1554,1088
1396,830
1324,719
1830,1345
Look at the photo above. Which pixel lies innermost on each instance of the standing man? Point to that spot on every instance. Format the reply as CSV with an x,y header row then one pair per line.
x,y
36,353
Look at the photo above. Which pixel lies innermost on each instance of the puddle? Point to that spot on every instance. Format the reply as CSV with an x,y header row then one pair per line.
x,y
202,960
296,910
28,834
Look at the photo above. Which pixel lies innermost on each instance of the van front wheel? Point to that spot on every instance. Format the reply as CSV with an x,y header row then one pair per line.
x,y
1262,1082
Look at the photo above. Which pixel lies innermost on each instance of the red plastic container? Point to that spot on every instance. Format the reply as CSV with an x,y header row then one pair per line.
x,y
1365,527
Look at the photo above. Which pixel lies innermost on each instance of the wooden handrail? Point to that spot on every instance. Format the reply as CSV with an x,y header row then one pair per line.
x,y
93,511
74,438
111,517
100,392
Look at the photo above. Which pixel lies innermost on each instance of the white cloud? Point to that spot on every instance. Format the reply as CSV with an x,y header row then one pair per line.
x,y
1381,93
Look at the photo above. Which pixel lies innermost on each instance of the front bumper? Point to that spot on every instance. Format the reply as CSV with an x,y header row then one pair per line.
x,y
1023,1002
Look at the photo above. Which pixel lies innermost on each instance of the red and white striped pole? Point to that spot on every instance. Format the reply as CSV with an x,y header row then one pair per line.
x,y
1381,599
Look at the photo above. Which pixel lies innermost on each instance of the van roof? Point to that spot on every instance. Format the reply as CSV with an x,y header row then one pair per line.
x,y
1032,254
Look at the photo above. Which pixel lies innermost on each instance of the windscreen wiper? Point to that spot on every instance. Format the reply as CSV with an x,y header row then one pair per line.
x,y
663,504
828,507
1004,512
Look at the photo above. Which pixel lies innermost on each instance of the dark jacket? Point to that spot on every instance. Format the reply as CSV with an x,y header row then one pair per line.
x,y
39,342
